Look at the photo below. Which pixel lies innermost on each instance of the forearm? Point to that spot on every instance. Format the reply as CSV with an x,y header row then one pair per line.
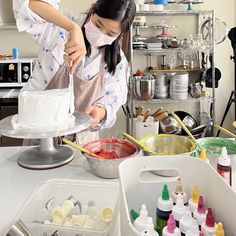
x,y
50,14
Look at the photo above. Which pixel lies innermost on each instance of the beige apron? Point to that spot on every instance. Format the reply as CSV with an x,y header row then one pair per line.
x,y
86,93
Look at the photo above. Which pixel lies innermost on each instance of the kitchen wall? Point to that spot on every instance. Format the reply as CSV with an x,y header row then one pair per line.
x,y
226,12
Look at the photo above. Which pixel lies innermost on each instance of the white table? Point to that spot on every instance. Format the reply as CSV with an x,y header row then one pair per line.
x,y
17,183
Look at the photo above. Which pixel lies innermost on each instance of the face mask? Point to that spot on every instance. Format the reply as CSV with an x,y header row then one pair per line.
x,y
95,37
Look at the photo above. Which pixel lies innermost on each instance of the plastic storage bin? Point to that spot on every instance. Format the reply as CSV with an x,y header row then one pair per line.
x,y
103,194
142,179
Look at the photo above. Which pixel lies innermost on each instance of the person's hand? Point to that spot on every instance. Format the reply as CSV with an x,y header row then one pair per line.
x,y
97,113
75,47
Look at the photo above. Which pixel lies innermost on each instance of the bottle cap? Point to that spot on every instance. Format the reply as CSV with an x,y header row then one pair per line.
x,y
201,206
171,225
165,203
134,214
203,155
149,224
196,195
201,234
179,190
179,209
165,193
220,230
143,212
224,159
210,221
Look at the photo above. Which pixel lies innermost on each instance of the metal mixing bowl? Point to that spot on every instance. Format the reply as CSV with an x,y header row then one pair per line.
x,y
108,168
168,144
144,88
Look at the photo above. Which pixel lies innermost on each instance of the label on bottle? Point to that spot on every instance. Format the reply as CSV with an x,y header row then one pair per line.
x,y
225,175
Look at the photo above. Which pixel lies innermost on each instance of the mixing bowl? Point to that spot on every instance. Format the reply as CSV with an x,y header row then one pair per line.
x,y
144,88
118,150
168,144
213,147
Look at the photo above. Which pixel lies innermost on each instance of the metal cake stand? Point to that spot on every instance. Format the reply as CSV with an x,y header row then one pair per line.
x,y
47,155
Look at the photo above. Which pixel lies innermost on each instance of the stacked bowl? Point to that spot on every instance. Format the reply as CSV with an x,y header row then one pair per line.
x,y
161,85
179,86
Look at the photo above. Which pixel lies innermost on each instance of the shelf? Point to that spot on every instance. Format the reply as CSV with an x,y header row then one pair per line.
x,y
175,70
171,12
169,100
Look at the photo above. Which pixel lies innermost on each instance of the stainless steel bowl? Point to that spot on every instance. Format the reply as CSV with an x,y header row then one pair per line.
x,y
170,126
108,168
168,144
144,88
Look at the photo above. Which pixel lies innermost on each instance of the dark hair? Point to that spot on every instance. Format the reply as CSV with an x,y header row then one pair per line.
x,y
118,10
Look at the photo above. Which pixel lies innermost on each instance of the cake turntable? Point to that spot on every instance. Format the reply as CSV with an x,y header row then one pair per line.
x,y
46,155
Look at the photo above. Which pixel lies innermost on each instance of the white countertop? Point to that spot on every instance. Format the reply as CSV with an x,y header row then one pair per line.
x,y
18,183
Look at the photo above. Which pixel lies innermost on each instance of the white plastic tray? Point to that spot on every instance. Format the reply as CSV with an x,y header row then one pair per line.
x,y
104,194
138,185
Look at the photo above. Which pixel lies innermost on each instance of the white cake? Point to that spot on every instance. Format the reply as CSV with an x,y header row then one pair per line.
x,y
44,109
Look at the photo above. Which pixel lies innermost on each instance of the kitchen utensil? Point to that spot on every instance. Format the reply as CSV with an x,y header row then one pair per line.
x,y
82,149
221,30
185,129
170,126
139,144
187,119
144,88
168,144
209,74
225,131
108,167
18,229
209,129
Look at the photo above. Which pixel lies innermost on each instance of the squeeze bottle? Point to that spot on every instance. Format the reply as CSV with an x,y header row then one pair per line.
x,y
179,190
220,230
200,213
179,209
164,208
141,221
224,166
194,200
171,229
149,231
209,227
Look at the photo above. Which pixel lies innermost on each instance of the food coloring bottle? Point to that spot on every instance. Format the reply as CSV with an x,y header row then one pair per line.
x,y
201,234
171,229
200,213
209,226
149,231
179,190
194,200
141,221
185,222
194,230
203,156
164,208
224,166
179,209
220,230
134,214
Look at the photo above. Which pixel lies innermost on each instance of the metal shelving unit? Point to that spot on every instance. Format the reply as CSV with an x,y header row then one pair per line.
x,y
203,14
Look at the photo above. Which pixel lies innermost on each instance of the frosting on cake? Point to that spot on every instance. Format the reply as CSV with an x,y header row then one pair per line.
x,y
44,109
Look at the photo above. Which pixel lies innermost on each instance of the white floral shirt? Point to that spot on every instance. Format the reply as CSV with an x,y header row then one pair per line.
x,y
51,40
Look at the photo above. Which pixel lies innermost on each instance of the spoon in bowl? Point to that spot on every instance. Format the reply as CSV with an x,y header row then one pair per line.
x,y
82,149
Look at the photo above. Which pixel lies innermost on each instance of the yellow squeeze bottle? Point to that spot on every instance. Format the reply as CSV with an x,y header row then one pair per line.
x,y
193,202
220,230
203,156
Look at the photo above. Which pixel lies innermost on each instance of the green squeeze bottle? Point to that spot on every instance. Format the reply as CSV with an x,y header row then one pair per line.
x,y
164,208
